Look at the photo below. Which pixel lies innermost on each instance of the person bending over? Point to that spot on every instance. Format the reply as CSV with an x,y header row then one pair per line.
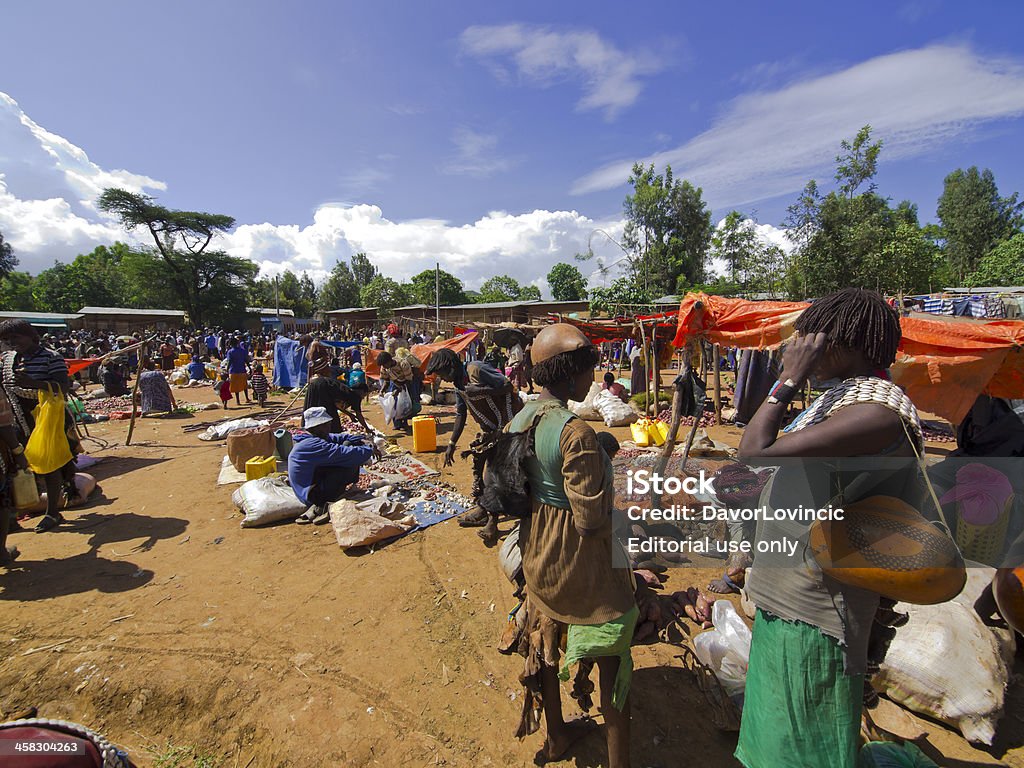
x,y
322,465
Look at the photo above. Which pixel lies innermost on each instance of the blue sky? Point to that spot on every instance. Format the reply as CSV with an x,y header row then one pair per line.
x,y
492,137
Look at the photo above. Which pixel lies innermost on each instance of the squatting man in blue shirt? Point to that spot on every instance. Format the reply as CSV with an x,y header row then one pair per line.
x,y
323,466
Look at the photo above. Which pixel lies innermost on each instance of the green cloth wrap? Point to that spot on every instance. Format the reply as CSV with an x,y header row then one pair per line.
x,y
800,710
592,641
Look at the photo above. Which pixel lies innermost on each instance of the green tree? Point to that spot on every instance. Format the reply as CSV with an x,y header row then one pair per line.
x,y
383,293
736,243
858,164
16,292
500,288
362,269
339,291
529,293
202,279
8,261
668,231
567,283
423,291
905,264
855,238
622,296
93,279
1003,265
974,218
803,218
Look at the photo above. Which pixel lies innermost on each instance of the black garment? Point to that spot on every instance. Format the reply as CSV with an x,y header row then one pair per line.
x,y
328,393
329,483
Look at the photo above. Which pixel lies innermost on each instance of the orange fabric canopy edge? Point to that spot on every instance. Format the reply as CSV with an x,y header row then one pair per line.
x,y
423,352
942,365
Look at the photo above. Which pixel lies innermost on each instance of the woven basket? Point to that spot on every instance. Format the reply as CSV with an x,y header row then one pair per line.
x,y
984,543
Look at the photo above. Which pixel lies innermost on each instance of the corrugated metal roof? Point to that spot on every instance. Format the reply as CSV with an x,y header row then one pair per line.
x,y
129,311
350,310
269,311
496,304
38,316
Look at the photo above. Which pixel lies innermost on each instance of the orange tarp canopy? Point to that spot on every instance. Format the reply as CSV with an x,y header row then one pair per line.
x,y
423,352
943,365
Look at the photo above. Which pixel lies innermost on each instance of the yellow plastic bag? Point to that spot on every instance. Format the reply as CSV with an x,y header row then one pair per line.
x,y
47,449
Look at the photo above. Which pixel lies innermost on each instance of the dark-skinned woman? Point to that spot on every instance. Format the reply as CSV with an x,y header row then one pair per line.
x,y
573,587
27,367
490,397
810,650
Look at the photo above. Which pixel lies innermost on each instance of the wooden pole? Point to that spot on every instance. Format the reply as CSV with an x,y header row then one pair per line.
x,y
656,364
135,389
647,389
717,368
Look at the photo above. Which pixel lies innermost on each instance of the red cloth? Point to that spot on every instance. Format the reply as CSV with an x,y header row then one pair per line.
x,y
943,365
75,365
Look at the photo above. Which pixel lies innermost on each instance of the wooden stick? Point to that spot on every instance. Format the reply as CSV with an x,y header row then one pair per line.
x,y
135,388
717,369
647,373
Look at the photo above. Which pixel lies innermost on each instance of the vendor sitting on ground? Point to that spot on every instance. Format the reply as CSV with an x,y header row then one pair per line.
x,y
322,465
611,385
493,401
196,371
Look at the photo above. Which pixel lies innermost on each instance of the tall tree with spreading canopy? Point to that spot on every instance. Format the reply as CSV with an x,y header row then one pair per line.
x,y
974,218
567,283
340,290
667,233
506,288
383,293
202,279
363,269
424,288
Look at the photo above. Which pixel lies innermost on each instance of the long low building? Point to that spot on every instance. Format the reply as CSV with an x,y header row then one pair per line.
x,y
126,320
354,317
46,321
524,312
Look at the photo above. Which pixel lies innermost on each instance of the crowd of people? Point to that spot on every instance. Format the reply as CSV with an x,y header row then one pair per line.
x,y
815,640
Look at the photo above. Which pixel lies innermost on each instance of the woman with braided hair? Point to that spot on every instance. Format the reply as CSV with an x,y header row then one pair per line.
x,y
809,658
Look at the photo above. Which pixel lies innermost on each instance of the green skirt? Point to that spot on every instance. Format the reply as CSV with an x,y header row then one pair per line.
x,y
800,710
592,641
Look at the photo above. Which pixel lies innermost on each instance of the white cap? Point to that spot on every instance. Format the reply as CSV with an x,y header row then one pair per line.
x,y
315,416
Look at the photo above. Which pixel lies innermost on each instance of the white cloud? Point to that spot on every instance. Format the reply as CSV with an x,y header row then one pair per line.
x,y
525,246
47,213
48,190
476,155
769,143
611,77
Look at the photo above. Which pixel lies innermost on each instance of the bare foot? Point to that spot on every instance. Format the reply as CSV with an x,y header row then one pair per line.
x,y
556,745
730,583
490,533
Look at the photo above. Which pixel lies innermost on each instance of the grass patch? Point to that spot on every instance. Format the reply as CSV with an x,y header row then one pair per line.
x,y
182,756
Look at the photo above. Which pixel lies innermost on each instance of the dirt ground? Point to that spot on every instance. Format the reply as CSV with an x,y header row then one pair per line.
x,y
154,618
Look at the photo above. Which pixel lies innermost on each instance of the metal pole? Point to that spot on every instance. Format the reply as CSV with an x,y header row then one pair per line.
x,y
437,293
277,299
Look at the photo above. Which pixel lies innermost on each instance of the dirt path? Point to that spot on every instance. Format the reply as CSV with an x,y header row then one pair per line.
x,y
152,616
